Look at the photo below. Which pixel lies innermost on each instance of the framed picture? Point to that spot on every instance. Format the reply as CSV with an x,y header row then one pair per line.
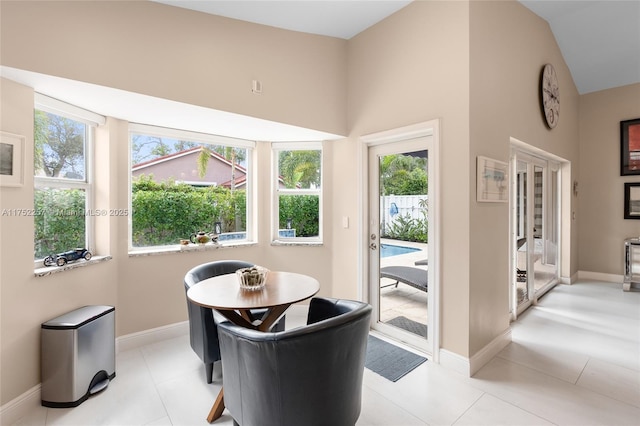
x,y
492,181
632,200
630,147
11,159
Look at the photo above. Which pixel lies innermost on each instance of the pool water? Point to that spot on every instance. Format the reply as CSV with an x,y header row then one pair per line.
x,y
387,250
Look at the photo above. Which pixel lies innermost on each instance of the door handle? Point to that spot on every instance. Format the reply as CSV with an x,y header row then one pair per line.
x,y
373,246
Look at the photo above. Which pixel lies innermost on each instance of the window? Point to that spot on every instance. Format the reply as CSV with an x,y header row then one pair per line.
x,y
298,192
63,177
185,182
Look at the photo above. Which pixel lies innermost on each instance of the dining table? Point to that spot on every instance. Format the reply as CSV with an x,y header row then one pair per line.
x,y
224,294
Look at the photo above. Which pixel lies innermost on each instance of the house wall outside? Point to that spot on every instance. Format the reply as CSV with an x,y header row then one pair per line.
x,y
509,46
224,55
185,168
602,228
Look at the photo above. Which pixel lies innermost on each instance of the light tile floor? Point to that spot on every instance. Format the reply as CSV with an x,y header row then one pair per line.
x,y
574,360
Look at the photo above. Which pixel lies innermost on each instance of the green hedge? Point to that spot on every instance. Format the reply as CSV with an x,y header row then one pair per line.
x,y
164,213
304,211
59,221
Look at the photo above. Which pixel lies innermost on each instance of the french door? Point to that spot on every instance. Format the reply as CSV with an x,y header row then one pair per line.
x,y
535,215
402,238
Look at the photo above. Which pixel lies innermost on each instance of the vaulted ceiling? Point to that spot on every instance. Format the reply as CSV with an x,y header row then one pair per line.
x,y
599,39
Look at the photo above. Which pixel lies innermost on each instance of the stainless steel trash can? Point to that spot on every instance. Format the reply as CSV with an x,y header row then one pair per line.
x,y
77,355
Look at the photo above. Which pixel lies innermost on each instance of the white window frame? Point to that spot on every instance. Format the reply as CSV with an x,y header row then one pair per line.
x,y
204,138
91,120
276,148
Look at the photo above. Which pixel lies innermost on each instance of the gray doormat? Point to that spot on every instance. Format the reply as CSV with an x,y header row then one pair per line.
x,y
409,325
390,361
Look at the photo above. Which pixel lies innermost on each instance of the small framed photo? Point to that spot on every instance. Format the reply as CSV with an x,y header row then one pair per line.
x,y
492,181
632,200
11,159
630,147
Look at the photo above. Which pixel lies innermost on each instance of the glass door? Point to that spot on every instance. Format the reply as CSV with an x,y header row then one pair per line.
x,y
535,219
399,253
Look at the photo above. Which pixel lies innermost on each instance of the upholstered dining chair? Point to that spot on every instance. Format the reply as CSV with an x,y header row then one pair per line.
x,y
310,375
203,333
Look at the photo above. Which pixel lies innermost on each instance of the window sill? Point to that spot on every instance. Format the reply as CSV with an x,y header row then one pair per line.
x,y
155,251
297,243
49,270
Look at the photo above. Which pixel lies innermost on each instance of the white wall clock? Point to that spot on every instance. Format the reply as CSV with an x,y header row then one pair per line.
x,y
550,96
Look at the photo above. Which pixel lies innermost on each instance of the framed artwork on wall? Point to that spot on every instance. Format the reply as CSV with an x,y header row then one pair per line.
x,y
492,181
630,147
11,159
632,200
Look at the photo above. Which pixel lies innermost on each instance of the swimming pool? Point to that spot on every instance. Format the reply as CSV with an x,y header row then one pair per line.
x,y
387,250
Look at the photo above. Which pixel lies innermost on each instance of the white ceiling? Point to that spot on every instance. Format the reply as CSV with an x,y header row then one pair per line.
x,y
599,40
342,19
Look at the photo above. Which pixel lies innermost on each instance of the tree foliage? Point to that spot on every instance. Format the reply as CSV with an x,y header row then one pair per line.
x,y
146,147
403,175
300,169
59,145
60,222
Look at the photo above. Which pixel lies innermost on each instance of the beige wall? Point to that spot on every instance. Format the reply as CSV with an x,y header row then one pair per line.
x,y
602,227
475,66
410,68
182,55
26,301
172,53
509,46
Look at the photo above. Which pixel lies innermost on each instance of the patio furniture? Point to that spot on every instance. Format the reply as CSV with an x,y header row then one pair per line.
x,y
310,375
415,277
203,334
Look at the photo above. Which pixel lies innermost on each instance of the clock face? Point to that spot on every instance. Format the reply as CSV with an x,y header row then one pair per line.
x,y
550,96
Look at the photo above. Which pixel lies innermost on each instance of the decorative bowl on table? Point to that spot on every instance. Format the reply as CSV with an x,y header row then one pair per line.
x,y
253,278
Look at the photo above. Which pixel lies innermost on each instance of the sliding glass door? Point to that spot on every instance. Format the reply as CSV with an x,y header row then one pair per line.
x,y
535,228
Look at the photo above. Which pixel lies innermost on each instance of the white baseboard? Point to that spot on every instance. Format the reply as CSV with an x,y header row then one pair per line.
x,y
599,276
153,335
569,280
454,362
487,353
469,366
20,406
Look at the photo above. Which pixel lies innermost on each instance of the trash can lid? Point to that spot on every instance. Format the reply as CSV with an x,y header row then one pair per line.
x,y
78,317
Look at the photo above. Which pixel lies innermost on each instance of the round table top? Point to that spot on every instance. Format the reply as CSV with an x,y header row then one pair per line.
x,y
224,292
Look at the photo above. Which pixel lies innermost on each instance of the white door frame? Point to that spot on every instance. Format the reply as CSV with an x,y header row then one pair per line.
x,y
420,130
549,163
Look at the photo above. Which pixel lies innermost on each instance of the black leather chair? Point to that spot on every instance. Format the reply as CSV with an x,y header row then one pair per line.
x,y
203,333
309,375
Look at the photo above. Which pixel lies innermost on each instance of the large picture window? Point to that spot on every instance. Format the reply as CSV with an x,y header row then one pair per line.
x,y
183,183
63,177
298,192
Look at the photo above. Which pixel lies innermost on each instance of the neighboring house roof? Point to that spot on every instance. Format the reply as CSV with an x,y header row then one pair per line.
x,y
175,166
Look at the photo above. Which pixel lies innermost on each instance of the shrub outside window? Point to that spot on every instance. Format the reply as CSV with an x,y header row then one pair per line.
x,y
298,192
63,136
185,182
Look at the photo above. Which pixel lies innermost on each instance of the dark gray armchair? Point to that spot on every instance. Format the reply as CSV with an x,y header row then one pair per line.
x,y
309,375
203,333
